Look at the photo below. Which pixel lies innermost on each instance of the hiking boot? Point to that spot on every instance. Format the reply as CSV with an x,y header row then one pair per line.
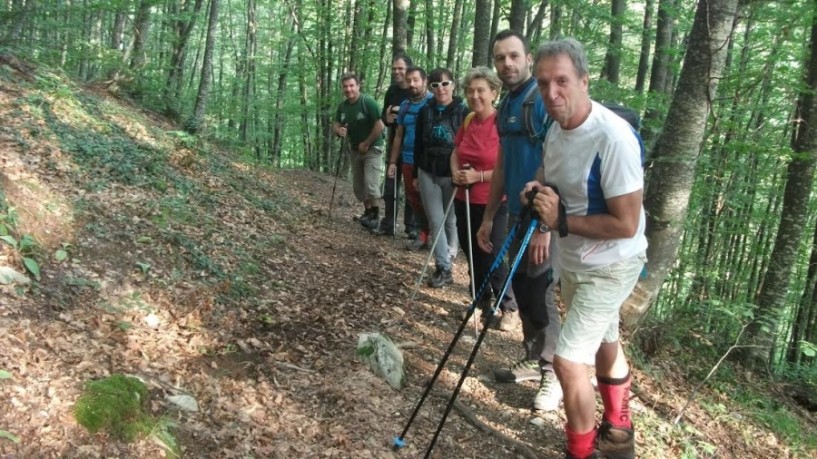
x,y
510,321
370,218
413,235
523,370
386,228
421,243
362,216
594,455
441,277
615,443
549,394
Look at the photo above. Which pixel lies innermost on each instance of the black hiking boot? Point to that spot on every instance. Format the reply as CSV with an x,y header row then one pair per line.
x,y
386,228
441,277
374,217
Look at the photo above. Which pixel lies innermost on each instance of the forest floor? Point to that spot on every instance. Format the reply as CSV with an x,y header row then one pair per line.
x,y
205,275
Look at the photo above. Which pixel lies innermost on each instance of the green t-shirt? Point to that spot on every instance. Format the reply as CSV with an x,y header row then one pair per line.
x,y
360,118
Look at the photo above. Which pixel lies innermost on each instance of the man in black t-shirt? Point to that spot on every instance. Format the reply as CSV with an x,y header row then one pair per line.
x,y
397,93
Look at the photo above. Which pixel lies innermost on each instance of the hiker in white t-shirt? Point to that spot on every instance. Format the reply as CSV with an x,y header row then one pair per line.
x,y
591,199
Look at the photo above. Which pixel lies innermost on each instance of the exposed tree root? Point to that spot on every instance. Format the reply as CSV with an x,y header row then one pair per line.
x,y
521,448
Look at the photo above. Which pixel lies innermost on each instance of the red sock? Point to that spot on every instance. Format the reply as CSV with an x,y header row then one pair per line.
x,y
580,445
615,393
424,236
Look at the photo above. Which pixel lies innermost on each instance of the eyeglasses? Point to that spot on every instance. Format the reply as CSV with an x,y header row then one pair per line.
x,y
437,84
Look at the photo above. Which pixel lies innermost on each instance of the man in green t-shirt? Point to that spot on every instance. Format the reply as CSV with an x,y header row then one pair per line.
x,y
358,120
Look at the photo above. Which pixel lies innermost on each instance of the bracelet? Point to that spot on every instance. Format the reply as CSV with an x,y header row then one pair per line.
x,y
482,176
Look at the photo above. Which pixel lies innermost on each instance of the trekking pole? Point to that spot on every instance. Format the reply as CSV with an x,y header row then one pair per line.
x,y
431,252
470,248
343,144
399,442
396,196
534,223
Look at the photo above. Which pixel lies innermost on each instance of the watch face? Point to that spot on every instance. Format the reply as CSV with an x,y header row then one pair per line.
x,y
544,228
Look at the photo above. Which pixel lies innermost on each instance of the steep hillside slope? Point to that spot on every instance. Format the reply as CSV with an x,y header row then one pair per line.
x,y
164,257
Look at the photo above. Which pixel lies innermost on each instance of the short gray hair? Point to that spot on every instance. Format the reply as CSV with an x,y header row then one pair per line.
x,y
567,46
484,73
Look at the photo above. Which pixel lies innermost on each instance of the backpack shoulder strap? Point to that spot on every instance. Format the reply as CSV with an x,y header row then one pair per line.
x,y
467,120
527,112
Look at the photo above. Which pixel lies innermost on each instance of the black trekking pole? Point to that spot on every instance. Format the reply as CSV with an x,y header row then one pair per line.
x,y
343,144
534,223
399,441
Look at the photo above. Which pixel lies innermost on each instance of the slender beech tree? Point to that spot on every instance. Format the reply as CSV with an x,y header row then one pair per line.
x,y
194,123
676,151
482,34
773,298
400,27
803,326
184,15
646,44
612,60
516,19
660,73
429,11
450,56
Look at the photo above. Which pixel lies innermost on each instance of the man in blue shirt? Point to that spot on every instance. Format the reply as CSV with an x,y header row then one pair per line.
x,y
403,147
519,158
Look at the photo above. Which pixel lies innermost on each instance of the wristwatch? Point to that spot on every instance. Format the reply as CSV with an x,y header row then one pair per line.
x,y
543,228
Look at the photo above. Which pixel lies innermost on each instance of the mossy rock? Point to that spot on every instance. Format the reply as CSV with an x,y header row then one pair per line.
x,y
115,404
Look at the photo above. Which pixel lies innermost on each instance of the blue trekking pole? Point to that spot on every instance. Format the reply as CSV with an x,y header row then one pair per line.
x,y
399,441
534,223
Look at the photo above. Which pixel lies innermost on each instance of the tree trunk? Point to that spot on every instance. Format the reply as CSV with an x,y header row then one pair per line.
x,y
535,26
410,20
612,60
248,92
278,131
482,34
677,149
646,44
182,28
451,55
400,27
660,71
516,19
354,34
141,27
381,68
194,123
555,21
495,18
772,300
430,32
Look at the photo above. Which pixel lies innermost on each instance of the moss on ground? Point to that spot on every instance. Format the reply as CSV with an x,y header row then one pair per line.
x,y
115,404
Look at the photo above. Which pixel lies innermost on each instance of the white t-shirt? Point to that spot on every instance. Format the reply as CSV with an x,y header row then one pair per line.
x,y
598,160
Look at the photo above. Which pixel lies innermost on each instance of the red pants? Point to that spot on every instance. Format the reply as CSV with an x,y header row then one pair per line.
x,y
413,196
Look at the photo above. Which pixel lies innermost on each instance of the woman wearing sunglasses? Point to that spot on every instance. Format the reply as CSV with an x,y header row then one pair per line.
x,y
437,125
472,165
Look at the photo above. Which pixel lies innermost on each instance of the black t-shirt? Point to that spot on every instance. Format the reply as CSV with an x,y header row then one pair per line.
x,y
395,95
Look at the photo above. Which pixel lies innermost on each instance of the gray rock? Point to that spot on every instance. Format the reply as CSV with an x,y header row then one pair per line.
x,y
383,357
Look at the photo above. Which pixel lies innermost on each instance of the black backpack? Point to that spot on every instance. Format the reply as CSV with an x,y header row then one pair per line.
x,y
628,114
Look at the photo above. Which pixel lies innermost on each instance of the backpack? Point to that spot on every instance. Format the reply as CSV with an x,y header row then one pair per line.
x,y
628,114
452,117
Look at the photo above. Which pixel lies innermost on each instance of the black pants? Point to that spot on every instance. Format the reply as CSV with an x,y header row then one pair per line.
x,y
483,260
392,187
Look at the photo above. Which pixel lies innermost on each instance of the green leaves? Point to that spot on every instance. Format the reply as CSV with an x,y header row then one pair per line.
x,y
32,266
9,436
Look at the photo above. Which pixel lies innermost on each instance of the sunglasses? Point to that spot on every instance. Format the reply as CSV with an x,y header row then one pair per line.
x,y
437,84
